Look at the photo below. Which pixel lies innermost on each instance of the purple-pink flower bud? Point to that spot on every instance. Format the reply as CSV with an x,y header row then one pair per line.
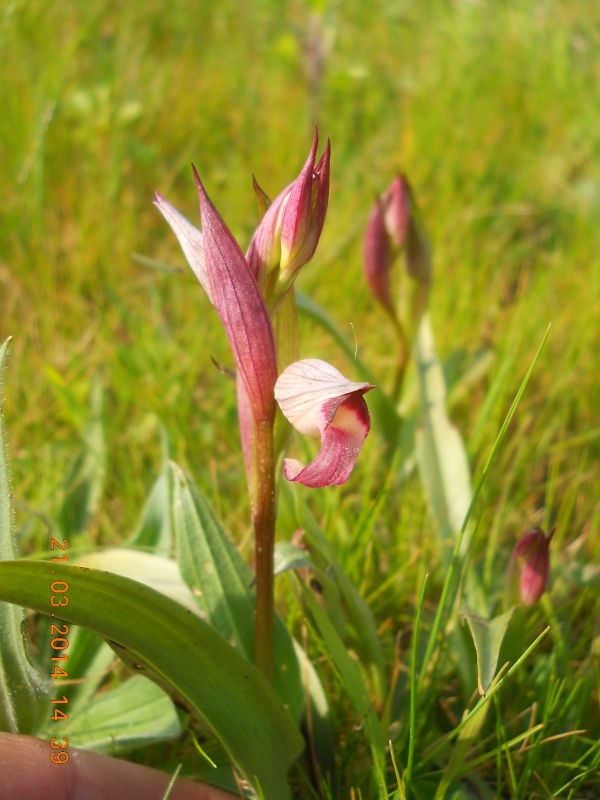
x,y
397,204
394,225
532,557
289,231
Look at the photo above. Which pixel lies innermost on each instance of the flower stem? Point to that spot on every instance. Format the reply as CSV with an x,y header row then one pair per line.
x,y
402,361
263,517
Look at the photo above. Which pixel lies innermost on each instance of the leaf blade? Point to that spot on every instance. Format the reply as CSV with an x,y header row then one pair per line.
x,y
181,653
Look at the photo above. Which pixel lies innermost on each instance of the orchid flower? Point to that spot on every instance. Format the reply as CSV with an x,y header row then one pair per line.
x,y
321,402
247,293
223,271
289,231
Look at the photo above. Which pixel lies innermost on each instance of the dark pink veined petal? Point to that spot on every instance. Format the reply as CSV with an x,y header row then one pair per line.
x,y
304,215
241,307
319,401
289,231
340,445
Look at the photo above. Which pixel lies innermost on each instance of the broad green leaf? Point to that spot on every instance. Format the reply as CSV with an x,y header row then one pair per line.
x,y
221,584
487,636
441,453
154,530
85,482
159,573
385,416
24,690
136,712
90,658
180,652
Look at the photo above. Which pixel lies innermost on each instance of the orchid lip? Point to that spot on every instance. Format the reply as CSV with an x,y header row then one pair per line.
x,y
319,400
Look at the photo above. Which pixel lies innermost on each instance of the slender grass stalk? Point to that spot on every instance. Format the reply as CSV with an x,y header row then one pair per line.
x,y
413,686
500,680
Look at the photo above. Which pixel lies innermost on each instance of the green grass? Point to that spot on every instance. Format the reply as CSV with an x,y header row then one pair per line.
x,y
491,109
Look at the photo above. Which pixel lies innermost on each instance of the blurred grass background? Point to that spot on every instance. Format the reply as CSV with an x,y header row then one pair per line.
x,y
492,110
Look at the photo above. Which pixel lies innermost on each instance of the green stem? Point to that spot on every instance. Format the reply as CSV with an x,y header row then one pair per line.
x,y
263,517
403,356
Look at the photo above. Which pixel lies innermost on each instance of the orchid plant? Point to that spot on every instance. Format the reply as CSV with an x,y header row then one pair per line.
x,y
314,397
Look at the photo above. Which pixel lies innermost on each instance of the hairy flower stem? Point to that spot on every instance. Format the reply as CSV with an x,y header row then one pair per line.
x,y
264,514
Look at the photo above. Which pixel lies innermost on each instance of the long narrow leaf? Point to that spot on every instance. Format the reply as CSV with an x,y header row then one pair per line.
x,y
180,652
441,453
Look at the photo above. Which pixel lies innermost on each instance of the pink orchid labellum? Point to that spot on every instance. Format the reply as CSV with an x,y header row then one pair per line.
x,y
321,402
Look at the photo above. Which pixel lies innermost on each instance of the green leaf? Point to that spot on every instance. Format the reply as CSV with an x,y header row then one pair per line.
x,y
180,652
487,636
317,725
440,450
289,556
90,658
24,690
159,573
221,583
85,482
136,712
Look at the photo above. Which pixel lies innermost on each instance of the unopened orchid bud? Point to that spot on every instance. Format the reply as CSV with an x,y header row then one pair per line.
x,y
397,203
395,225
377,257
289,231
531,561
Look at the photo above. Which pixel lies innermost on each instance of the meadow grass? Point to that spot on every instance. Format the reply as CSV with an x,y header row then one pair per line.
x,y
491,109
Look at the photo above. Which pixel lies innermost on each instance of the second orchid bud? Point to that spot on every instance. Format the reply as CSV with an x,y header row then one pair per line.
x,y
394,225
289,231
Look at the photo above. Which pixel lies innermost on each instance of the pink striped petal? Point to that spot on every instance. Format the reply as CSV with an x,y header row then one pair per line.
x,y
189,237
223,271
241,307
321,402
